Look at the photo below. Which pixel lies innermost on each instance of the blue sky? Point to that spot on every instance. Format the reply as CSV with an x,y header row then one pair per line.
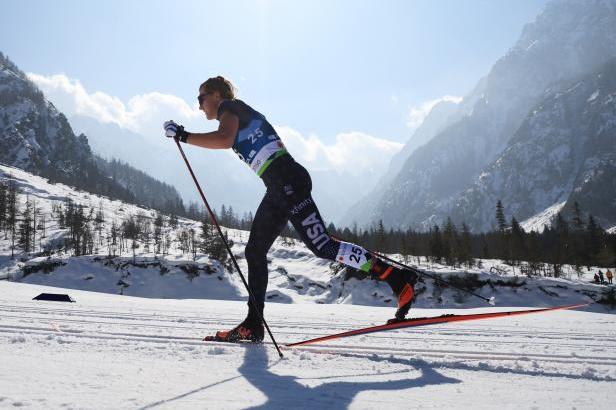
x,y
319,67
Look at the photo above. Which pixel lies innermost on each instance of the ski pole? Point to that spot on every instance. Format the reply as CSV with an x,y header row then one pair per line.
x,y
490,300
251,298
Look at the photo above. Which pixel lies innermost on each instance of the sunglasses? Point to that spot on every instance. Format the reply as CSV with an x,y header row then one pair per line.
x,y
201,97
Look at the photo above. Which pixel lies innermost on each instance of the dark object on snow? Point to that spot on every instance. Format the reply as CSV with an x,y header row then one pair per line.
x,y
56,297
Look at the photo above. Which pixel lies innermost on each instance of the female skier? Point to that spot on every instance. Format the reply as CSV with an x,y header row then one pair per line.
x,y
288,197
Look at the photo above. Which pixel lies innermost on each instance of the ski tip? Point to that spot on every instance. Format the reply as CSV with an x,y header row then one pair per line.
x,y
492,301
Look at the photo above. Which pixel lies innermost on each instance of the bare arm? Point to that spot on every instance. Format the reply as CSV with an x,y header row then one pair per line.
x,y
222,138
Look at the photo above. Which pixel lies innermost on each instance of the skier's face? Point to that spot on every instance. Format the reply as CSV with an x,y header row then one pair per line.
x,y
208,103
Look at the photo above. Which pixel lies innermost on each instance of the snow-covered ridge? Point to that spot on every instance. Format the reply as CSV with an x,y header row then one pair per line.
x,y
537,223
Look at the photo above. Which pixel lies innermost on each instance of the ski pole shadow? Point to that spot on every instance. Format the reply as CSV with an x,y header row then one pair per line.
x,y
286,392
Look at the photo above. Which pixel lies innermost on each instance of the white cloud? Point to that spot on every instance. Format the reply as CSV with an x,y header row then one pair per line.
x,y
354,152
417,115
142,114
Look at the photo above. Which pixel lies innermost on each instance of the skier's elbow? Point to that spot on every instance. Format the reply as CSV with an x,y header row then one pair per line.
x,y
229,140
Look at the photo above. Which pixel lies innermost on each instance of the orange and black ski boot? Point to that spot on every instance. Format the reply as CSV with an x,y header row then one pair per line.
x,y
402,283
247,331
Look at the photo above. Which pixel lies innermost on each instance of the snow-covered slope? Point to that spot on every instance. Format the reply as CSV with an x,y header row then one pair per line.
x,y
119,352
296,275
538,222
112,349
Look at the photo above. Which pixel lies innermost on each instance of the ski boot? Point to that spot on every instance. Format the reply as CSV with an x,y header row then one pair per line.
x,y
247,331
402,283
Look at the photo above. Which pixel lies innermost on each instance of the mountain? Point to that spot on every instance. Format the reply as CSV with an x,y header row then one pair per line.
x,y
568,39
564,151
38,138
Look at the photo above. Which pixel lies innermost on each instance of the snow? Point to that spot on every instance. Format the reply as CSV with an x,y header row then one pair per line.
x,y
111,351
538,222
593,96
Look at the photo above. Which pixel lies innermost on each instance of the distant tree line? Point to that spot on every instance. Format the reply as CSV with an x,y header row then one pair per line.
x,y
574,238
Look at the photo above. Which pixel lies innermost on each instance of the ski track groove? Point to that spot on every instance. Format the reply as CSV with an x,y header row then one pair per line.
x,y
425,333
334,349
422,337
313,325
367,351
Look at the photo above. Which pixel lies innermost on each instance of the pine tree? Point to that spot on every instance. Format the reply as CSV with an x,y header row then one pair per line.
x,y
25,228
3,200
517,242
450,242
436,244
206,235
158,232
36,215
379,237
578,221
560,252
594,234
99,221
465,247
500,216
173,221
12,212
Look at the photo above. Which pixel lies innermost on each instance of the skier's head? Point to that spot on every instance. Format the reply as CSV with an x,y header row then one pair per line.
x,y
212,92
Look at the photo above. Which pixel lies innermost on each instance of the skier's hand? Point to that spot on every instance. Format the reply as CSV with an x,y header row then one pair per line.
x,y
173,130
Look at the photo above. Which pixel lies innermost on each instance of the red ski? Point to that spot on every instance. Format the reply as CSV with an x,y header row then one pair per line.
x,y
425,321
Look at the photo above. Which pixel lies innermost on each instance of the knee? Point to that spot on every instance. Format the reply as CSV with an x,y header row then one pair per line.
x,y
328,250
253,252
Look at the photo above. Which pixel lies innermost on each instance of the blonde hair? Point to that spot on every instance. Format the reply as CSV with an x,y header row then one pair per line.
x,y
220,84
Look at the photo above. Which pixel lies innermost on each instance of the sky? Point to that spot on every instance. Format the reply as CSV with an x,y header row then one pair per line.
x,y
321,68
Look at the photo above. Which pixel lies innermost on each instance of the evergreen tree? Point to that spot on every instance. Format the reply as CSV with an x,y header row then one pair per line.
x,y
12,209
158,232
130,231
594,235
500,216
113,236
560,252
25,228
578,221
380,240
173,221
436,244
465,247
99,221
450,242
517,242
206,235
3,200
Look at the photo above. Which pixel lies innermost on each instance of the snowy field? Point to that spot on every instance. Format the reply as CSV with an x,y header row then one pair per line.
x,y
143,349
120,352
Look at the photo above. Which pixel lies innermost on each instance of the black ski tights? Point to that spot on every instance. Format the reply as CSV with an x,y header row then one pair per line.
x,y
288,199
